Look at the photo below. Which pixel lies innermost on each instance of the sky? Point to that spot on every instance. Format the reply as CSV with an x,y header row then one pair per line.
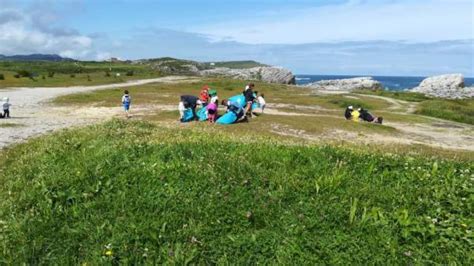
x,y
346,37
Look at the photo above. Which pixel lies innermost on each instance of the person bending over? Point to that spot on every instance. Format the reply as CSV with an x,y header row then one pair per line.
x,y
188,101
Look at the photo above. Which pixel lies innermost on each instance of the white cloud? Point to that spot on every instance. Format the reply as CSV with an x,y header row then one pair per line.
x,y
356,20
20,34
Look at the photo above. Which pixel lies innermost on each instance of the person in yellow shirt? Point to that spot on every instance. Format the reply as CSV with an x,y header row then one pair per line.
x,y
355,115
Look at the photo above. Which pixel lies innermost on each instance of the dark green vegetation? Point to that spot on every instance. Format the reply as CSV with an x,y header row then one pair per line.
x,y
131,192
455,110
70,73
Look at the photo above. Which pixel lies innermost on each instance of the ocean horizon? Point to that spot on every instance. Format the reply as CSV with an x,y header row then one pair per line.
x,y
395,83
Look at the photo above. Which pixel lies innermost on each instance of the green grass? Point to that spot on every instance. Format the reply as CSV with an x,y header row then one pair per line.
x,y
5,125
399,95
135,193
86,73
454,110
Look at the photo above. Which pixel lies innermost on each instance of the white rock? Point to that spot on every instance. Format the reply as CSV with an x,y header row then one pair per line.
x,y
449,86
350,84
267,74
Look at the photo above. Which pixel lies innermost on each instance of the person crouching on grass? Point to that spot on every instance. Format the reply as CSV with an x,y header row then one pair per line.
x,y
126,101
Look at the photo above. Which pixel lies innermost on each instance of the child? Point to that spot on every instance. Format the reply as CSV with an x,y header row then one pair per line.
x,y
212,107
261,101
126,101
212,112
6,107
204,94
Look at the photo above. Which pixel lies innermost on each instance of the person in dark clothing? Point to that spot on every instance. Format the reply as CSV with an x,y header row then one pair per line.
x,y
366,116
348,112
188,101
249,98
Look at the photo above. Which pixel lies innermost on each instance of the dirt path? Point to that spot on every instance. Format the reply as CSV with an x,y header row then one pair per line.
x,y
31,116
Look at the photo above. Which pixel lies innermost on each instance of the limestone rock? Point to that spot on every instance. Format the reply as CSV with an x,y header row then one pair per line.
x,y
360,83
450,86
266,74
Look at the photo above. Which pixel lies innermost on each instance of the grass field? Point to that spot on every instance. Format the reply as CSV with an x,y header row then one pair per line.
x,y
134,193
455,110
38,74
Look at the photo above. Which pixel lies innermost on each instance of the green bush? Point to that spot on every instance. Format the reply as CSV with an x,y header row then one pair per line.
x,y
17,76
129,73
134,193
107,73
24,73
51,74
2,77
72,75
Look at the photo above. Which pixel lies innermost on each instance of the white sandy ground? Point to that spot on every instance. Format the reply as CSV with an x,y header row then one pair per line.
x,y
32,115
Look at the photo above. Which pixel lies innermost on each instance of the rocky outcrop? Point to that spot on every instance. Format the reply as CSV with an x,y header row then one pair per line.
x,y
450,86
266,74
360,83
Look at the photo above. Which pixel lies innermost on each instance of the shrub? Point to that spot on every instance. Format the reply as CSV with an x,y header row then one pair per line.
x,y
24,73
107,73
130,73
89,78
43,77
17,76
2,77
72,75
51,74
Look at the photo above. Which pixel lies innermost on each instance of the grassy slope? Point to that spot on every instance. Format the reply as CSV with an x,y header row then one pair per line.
x,y
132,192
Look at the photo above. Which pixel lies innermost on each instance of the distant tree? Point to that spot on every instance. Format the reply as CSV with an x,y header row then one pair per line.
x,y
17,76
73,75
130,73
89,78
43,77
51,74
2,77
107,73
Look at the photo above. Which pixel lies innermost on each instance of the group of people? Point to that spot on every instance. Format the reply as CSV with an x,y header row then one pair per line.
x,y
361,114
6,108
238,108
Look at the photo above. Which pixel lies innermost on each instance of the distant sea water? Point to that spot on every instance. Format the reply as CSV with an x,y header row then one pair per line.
x,y
389,82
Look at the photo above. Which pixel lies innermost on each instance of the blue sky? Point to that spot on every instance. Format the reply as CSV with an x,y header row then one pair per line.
x,y
384,37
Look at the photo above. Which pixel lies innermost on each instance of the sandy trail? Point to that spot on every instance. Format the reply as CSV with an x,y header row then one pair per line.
x,y
31,115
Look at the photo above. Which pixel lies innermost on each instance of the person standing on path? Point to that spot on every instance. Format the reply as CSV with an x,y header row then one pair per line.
x,y
126,101
6,107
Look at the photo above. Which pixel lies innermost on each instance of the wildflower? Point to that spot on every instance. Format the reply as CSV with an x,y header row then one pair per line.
x,y
109,252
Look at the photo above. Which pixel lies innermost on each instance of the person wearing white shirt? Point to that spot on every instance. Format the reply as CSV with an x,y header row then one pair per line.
x,y
261,101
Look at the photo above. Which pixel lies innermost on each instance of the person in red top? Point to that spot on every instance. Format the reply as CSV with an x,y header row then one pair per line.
x,y
204,95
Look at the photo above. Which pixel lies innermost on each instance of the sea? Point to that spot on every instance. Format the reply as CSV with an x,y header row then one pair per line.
x,y
390,82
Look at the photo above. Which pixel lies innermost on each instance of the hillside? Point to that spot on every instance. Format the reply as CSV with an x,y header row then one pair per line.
x,y
35,57
133,192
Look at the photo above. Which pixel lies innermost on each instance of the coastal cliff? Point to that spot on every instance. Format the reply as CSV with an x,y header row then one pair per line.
x,y
245,70
359,83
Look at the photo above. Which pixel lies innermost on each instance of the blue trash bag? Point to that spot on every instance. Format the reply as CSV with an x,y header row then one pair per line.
x,y
255,106
202,114
239,99
227,119
188,115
